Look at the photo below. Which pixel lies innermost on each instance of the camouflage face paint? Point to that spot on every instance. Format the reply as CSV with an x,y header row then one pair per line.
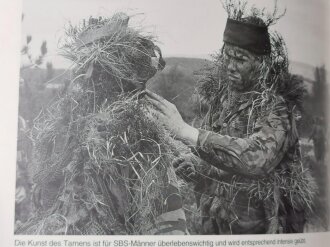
x,y
241,66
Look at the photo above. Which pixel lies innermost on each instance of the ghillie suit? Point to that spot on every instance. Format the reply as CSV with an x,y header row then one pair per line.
x,y
251,179
101,163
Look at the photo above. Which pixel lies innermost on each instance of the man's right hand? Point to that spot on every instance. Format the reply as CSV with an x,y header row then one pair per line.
x,y
185,170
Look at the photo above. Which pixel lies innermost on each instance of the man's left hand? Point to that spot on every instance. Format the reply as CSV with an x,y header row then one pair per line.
x,y
185,169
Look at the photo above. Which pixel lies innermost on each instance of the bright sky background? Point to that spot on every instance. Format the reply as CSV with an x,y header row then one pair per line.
x,y
190,28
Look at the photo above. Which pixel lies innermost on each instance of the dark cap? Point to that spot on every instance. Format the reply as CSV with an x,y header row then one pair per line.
x,y
251,37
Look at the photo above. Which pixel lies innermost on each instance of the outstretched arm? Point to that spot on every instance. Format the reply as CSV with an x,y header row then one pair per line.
x,y
254,156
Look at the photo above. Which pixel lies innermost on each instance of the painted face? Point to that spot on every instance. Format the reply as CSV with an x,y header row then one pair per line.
x,y
142,71
241,67
146,63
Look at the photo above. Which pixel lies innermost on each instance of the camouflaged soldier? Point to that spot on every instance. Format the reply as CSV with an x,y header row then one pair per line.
x,y
248,138
104,193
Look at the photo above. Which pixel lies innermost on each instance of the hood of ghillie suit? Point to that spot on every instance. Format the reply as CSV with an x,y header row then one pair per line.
x,y
111,57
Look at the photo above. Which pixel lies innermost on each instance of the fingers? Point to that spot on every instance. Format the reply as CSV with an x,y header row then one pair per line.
x,y
154,96
186,173
159,102
187,168
177,162
158,105
148,94
142,94
183,168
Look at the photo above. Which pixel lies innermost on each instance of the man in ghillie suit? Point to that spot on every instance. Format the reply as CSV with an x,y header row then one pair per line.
x,y
101,164
250,179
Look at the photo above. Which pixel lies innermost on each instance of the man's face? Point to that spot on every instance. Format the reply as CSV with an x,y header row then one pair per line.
x,y
145,65
143,70
241,67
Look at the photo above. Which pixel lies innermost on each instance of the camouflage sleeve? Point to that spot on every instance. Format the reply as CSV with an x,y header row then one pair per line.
x,y
254,156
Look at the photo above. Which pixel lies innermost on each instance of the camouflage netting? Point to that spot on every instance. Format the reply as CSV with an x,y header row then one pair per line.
x,y
101,163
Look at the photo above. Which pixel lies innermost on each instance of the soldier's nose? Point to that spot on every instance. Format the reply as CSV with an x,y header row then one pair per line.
x,y
231,67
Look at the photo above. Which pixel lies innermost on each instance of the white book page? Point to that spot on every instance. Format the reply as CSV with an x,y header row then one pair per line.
x,y
185,30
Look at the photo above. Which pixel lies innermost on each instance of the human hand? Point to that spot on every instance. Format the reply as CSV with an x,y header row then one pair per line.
x,y
185,169
169,116
167,112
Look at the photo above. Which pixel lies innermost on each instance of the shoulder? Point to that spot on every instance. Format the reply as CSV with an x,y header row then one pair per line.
x,y
275,114
278,106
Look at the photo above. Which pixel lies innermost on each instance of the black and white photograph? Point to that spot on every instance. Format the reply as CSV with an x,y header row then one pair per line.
x,y
176,117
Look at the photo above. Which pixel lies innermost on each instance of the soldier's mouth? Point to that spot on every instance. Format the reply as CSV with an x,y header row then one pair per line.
x,y
233,77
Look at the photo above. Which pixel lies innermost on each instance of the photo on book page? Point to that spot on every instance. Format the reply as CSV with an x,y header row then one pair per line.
x,y
172,118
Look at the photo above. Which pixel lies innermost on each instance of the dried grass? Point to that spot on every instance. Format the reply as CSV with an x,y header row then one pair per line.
x,y
295,183
101,161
